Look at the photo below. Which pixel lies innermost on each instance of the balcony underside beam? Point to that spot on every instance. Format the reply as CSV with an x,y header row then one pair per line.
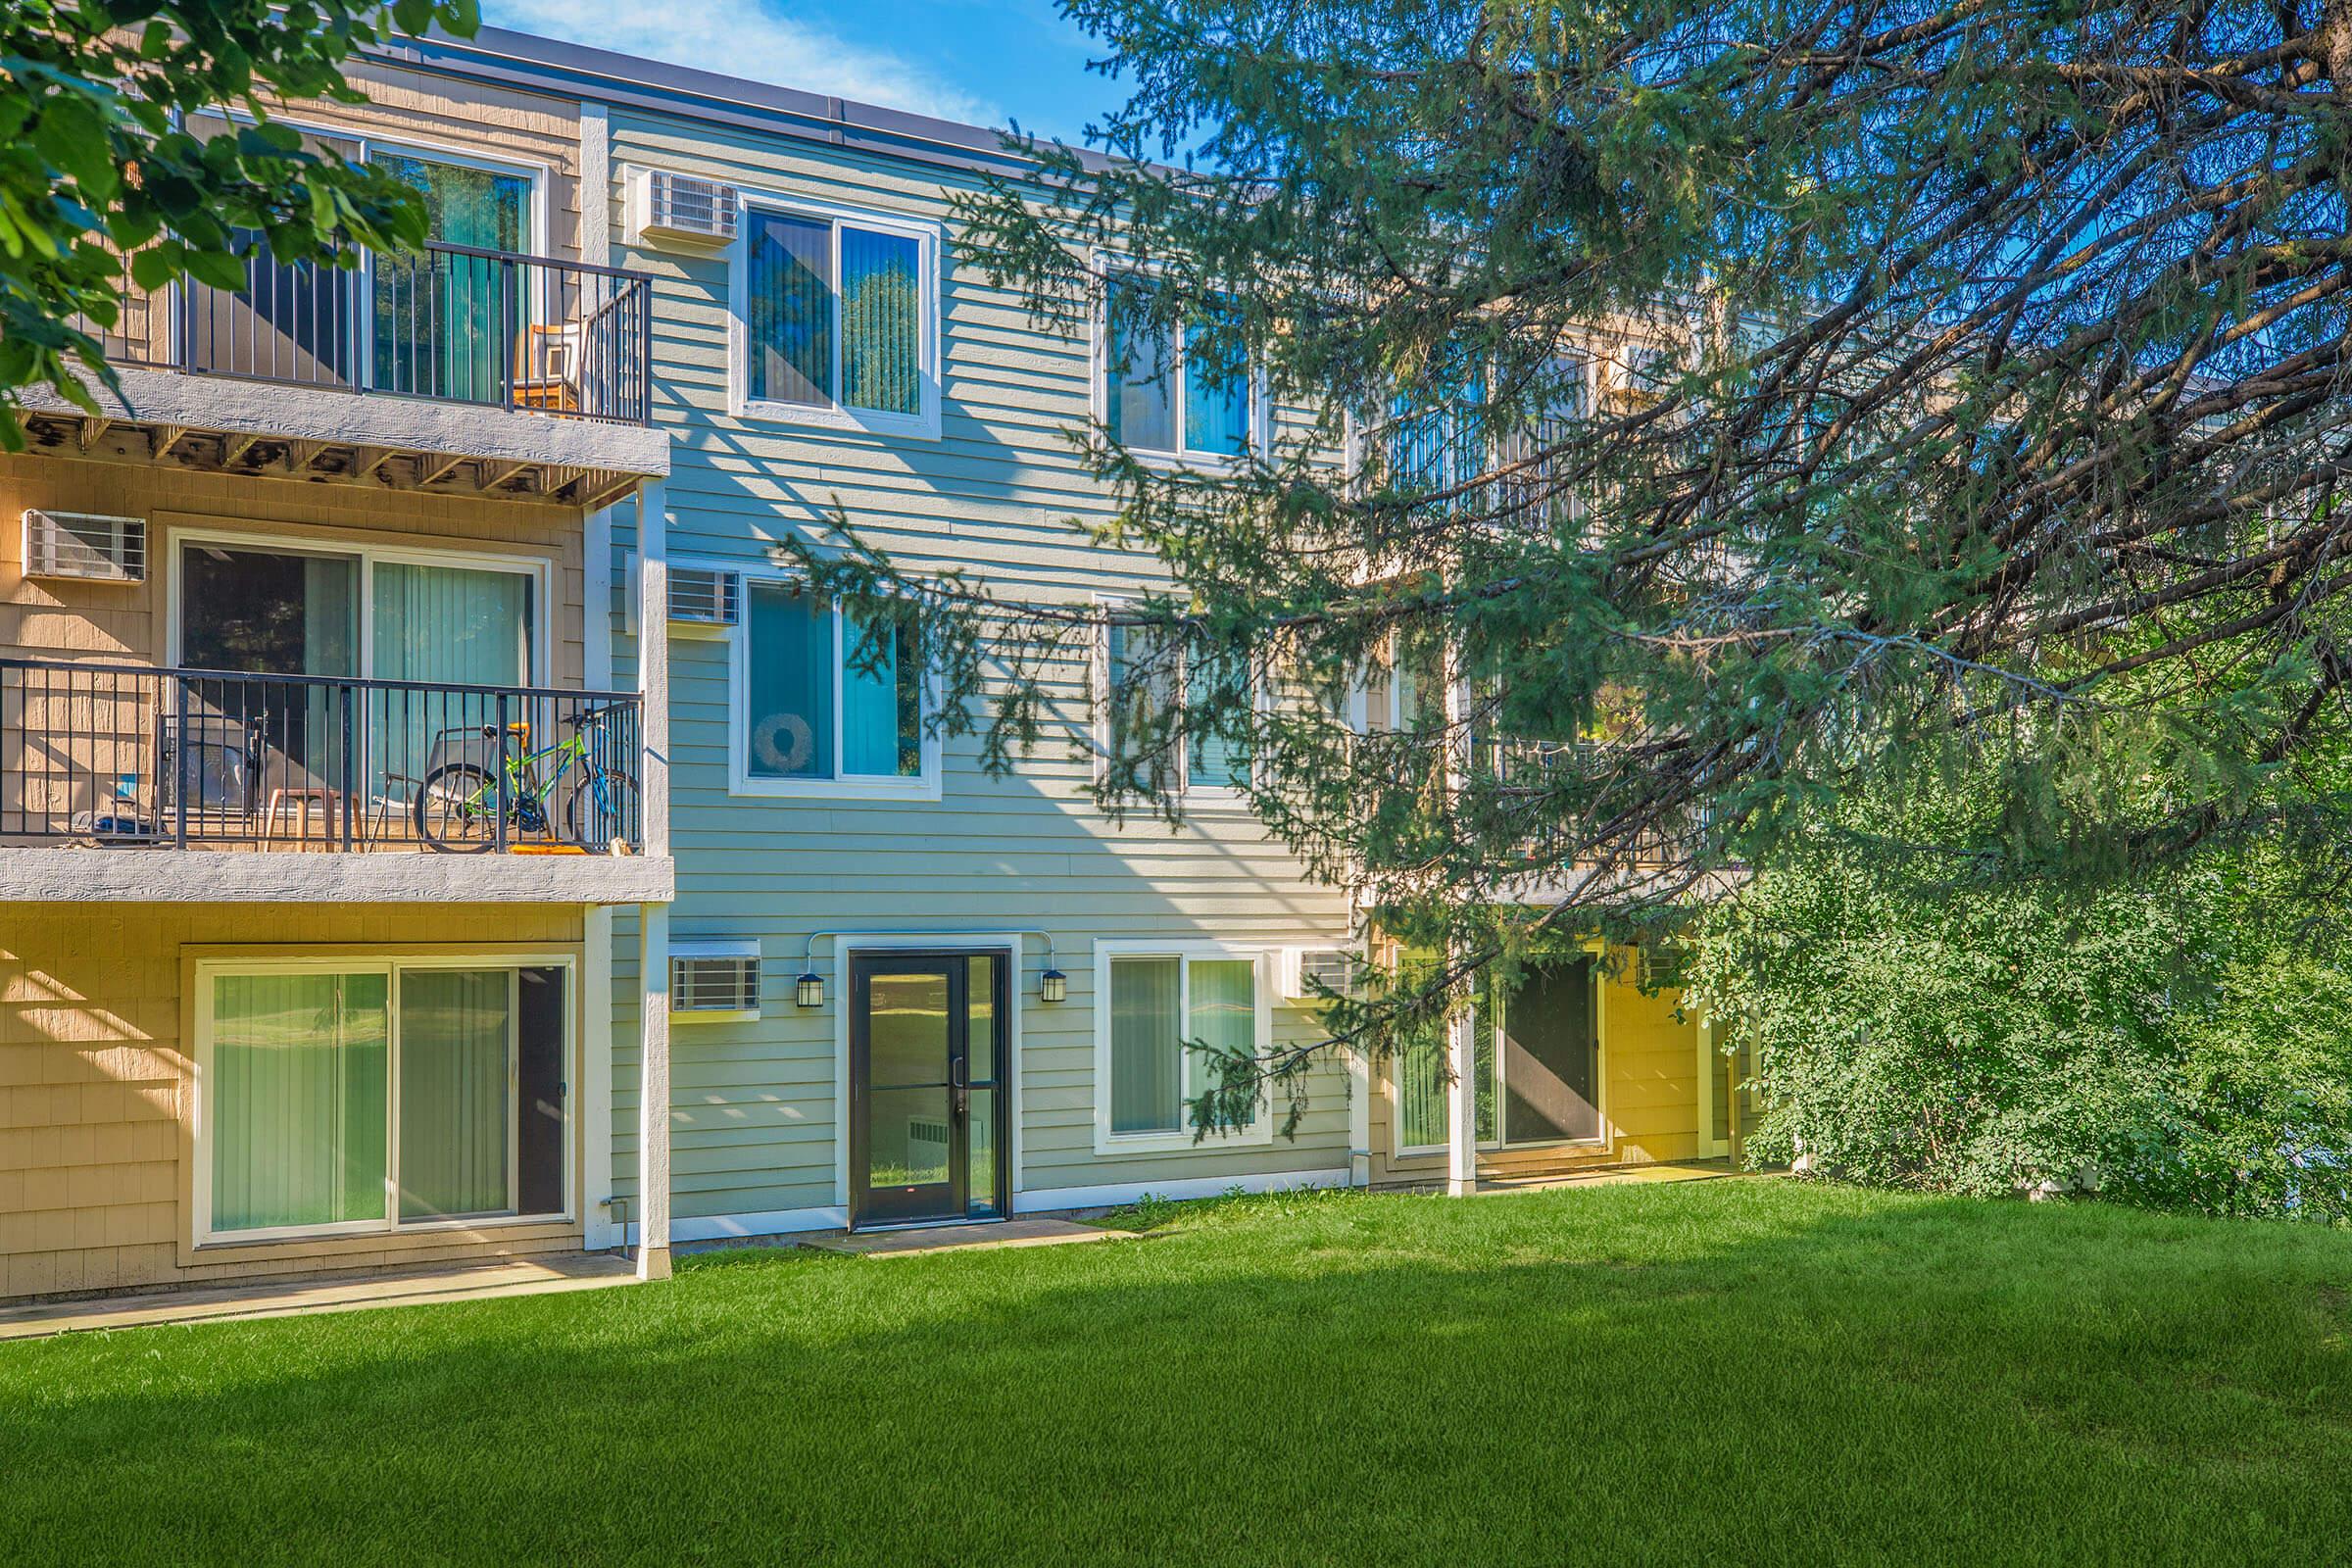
x,y
251,455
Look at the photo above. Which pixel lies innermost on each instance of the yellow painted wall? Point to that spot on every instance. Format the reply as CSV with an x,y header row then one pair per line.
x,y
95,1082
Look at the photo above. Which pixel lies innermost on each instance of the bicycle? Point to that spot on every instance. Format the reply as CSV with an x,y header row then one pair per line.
x,y
457,807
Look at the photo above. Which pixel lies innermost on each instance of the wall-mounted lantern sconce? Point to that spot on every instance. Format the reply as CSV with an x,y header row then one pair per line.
x,y
809,990
1053,985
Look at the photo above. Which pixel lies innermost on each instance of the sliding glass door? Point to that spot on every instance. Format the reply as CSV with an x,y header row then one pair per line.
x,y
268,611
1536,1074
375,1096
446,325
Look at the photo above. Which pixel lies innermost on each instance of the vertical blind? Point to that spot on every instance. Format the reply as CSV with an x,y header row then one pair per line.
x,y
881,321
298,1109
442,320
1137,375
1144,1065
1419,1071
1224,1016
456,1045
447,626
1139,680
1216,392
1215,758
791,315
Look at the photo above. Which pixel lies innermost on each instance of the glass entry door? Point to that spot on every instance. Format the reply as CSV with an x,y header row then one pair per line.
x,y
927,1102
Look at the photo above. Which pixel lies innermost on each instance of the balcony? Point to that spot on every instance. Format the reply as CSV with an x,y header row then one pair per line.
x,y
450,367
1452,460
123,776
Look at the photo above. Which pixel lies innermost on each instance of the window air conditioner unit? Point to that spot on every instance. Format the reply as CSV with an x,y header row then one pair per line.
x,y
86,545
714,982
1664,966
703,599
1303,969
667,209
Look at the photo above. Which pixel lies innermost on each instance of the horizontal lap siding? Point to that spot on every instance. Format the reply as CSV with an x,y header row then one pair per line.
x,y
754,1119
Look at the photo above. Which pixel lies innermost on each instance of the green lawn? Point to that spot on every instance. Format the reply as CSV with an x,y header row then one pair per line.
x,y
1711,1372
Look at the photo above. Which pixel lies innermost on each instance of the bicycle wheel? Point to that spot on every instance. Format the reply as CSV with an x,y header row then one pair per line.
x,y
456,810
603,806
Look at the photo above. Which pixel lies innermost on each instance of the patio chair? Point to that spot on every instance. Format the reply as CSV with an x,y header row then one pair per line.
x,y
547,368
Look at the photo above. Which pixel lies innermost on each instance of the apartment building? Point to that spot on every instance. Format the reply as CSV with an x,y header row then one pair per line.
x,y
435,824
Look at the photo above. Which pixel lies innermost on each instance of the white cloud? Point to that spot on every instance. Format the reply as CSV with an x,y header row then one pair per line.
x,y
745,38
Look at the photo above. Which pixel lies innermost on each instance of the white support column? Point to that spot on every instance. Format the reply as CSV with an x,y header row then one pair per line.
x,y
596,1086
653,656
1359,1116
653,1093
1462,1103
653,919
595,185
1461,1023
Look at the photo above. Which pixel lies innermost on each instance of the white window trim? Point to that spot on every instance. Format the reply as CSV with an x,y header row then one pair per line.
x,y
1223,797
539,672
740,780
203,1234
1712,1090
1260,1131
1498,1143
1109,266
836,416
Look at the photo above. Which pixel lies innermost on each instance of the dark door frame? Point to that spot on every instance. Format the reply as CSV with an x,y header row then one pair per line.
x,y
951,962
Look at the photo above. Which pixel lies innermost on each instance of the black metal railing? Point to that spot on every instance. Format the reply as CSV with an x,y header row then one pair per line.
x,y
1529,767
450,323
128,755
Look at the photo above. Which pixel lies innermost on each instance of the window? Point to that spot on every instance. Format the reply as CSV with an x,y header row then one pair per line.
x,y
824,703
341,1097
1143,678
1165,1014
1162,391
834,317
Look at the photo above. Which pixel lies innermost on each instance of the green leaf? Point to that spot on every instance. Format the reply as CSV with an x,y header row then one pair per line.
x,y
217,268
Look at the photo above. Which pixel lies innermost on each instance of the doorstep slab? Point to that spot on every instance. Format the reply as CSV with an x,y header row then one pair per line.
x,y
476,1282
962,1238
1615,1176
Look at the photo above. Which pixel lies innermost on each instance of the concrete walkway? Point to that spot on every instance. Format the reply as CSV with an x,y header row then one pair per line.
x,y
1614,1176
477,1282
1037,1232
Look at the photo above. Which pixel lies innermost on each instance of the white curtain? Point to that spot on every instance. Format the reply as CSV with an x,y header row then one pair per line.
x,y
298,1110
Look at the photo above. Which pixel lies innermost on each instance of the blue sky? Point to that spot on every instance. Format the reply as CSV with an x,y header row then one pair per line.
x,y
982,61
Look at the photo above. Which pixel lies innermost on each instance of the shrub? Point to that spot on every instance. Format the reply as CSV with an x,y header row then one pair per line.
x,y
2164,1039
